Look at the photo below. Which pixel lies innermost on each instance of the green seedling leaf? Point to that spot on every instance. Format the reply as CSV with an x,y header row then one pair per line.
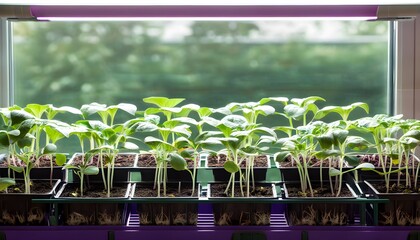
x,y
265,110
128,107
281,156
325,154
92,108
4,138
6,182
146,127
60,159
211,121
204,112
209,142
365,166
326,140
91,170
293,111
182,129
16,169
177,162
334,172
234,122
182,142
163,101
49,148
25,142
409,142
282,100
357,143
231,167
18,116
67,109
154,143
187,120
339,135
352,160
36,109
54,134
187,153
130,146
413,134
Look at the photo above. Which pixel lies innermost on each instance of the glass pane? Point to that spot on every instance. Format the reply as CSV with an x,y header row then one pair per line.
x,y
208,63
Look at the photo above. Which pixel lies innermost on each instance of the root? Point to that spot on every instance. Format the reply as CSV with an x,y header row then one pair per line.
x,y
162,219
105,219
293,219
245,218
309,216
325,218
402,217
262,218
144,219
180,219
224,219
388,218
339,219
11,219
192,218
35,215
75,219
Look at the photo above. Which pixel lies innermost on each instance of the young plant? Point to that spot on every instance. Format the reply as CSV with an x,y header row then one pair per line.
x,y
29,147
251,146
105,139
165,148
84,168
379,127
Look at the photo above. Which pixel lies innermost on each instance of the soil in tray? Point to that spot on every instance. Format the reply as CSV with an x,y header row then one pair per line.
x,y
394,188
37,187
148,160
172,190
121,160
325,191
219,161
94,191
42,162
261,190
374,159
19,209
313,162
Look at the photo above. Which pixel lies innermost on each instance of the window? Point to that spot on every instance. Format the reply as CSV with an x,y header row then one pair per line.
x,y
208,63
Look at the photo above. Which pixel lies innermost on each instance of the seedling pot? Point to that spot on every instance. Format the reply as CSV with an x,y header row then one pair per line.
x,y
402,209
92,210
18,208
230,211
169,210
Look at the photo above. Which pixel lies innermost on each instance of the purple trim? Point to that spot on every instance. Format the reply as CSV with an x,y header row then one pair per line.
x,y
205,11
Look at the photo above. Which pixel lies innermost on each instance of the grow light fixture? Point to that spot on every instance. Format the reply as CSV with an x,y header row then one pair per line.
x,y
202,12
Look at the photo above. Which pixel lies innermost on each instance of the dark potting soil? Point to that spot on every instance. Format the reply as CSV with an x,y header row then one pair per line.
x,y
38,187
325,191
395,188
121,160
313,162
94,190
374,159
219,161
42,162
261,190
172,190
148,160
